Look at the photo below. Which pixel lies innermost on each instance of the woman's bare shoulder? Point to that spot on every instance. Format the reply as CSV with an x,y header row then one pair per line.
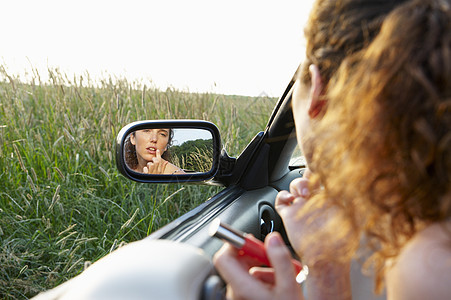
x,y
423,268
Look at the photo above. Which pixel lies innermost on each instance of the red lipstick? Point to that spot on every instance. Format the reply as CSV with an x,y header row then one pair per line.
x,y
250,246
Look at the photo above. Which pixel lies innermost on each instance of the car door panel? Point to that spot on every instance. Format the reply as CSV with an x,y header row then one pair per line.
x,y
183,227
242,214
284,182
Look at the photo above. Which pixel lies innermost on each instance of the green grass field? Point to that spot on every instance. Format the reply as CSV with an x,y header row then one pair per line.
x,y
63,204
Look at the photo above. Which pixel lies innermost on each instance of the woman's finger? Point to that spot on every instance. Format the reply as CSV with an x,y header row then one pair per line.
x,y
284,198
160,165
151,167
158,154
280,258
287,205
263,274
300,187
236,274
163,164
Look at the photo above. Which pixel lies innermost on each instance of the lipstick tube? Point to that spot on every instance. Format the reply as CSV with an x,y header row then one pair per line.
x,y
250,246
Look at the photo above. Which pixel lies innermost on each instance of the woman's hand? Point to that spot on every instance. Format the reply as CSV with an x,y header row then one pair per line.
x,y
326,279
246,281
156,166
289,205
300,224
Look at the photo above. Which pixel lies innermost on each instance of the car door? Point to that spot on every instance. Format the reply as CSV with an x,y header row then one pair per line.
x,y
252,182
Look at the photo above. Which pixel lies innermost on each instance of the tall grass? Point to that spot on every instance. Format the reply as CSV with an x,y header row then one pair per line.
x,y
63,204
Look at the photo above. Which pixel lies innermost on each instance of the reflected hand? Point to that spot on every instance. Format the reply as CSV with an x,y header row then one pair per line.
x,y
156,166
246,281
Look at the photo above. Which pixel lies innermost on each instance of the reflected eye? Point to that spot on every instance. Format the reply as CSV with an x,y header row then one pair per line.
x,y
163,133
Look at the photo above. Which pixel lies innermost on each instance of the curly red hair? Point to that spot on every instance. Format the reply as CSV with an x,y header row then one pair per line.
x,y
383,148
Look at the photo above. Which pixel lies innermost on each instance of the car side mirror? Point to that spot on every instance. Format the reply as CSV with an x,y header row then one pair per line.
x,y
168,151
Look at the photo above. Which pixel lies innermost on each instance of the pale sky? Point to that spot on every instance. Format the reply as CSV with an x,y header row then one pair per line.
x,y
182,135
245,47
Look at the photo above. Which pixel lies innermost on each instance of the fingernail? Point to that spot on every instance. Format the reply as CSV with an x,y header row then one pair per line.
x,y
286,196
305,192
275,240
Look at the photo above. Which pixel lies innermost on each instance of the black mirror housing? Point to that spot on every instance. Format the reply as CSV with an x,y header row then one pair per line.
x,y
194,147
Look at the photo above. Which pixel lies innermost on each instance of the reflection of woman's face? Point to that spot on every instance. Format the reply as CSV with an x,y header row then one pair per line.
x,y
147,142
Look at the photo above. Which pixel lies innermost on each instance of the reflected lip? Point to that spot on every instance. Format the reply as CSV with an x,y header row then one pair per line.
x,y
151,149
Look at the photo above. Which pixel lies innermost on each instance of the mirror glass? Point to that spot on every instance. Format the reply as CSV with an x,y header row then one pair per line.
x,y
169,151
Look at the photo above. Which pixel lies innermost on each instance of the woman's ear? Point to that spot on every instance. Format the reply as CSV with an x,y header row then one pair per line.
x,y
317,104
132,139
